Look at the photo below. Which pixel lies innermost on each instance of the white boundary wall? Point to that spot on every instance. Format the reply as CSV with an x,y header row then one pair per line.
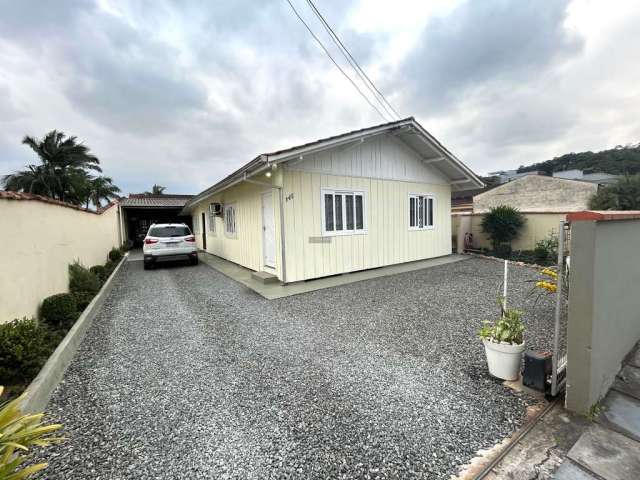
x,y
38,241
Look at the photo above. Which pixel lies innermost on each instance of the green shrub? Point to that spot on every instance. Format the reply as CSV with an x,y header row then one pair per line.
x,y
82,280
109,267
83,299
24,348
100,272
546,250
502,224
59,310
115,255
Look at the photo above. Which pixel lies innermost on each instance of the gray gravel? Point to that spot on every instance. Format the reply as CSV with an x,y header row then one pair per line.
x,y
187,374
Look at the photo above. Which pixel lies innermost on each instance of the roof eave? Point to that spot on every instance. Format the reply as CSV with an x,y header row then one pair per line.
x,y
265,160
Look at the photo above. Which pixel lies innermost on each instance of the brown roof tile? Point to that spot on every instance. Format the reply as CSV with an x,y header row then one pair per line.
x,y
7,195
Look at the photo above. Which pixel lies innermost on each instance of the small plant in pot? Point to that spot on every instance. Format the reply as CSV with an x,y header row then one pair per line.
x,y
504,343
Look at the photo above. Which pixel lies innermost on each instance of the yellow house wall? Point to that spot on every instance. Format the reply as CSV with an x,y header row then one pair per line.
x,y
538,226
38,242
385,168
388,239
245,248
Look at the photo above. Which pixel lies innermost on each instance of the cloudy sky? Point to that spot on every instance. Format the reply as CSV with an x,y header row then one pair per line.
x,y
182,93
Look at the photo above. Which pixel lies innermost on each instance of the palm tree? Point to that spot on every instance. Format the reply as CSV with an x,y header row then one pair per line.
x,y
156,190
63,172
36,179
102,188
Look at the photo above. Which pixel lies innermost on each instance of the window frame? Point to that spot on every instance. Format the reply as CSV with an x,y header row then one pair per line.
x,y
343,192
196,224
426,197
230,207
212,220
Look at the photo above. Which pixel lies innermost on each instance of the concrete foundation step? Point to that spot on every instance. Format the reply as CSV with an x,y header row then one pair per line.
x,y
264,277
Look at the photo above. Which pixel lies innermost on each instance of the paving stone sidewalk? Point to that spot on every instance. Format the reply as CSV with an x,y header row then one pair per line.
x,y
610,448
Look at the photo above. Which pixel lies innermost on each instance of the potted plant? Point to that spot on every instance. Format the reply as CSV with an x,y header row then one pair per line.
x,y
503,344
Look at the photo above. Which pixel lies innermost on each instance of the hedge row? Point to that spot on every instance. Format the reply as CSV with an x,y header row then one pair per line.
x,y
26,344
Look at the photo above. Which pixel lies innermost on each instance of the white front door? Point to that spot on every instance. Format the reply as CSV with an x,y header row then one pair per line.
x,y
268,231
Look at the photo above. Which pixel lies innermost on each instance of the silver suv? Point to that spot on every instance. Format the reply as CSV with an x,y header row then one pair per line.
x,y
169,241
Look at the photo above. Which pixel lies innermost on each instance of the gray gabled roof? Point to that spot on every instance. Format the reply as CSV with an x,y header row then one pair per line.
x,y
412,133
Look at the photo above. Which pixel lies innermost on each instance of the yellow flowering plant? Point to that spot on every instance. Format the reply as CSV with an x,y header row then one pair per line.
x,y
546,283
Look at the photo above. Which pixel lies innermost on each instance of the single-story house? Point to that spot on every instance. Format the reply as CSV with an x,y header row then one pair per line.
x,y
533,193
141,210
544,201
364,199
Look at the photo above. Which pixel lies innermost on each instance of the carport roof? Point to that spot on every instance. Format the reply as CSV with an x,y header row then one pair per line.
x,y
137,200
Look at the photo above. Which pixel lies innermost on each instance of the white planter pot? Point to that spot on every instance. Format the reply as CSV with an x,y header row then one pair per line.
x,y
504,359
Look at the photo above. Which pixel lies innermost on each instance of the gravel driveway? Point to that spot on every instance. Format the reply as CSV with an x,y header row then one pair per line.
x,y
187,374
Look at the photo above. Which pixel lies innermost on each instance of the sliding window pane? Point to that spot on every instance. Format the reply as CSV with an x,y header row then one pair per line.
x,y
338,212
328,212
359,213
348,199
412,211
430,212
420,212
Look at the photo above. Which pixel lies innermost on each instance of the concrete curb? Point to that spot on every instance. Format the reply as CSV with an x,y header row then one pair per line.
x,y
40,389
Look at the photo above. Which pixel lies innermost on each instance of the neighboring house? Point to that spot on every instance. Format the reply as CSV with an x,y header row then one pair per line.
x,y
140,210
599,178
462,201
364,199
544,201
537,193
505,176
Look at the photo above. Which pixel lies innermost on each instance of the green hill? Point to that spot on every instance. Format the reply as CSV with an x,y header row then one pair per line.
x,y
615,161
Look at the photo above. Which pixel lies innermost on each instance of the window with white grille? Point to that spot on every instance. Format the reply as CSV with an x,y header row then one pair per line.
x,y
212,218
230,220
421,211
343,212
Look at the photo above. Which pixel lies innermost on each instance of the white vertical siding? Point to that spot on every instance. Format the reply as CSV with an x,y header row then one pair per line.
x,y
388,171
383,157
388,239
383,167
245,248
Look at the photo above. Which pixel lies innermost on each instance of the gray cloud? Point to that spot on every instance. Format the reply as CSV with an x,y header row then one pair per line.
x,y
484,42
183,93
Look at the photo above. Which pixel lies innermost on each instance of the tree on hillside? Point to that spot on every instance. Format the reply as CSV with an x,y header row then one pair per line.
x,y
616,161
64,172
623,195
156,190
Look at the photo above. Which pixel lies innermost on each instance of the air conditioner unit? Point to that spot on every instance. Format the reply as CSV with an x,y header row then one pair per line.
x,y
216,209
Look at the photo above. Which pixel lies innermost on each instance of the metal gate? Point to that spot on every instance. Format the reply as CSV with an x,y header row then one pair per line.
x,y
559,358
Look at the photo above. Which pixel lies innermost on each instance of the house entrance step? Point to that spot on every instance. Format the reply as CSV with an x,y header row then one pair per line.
x,y
264,277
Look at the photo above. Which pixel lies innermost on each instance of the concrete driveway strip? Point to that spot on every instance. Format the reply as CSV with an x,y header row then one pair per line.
x,y
187,374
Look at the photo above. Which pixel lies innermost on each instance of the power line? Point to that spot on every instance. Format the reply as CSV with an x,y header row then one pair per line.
x,y
334,62
354,63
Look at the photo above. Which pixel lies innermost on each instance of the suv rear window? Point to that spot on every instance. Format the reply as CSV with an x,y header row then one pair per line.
x,y
169,231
